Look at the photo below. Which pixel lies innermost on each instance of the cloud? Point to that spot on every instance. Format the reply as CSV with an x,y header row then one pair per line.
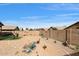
x,y
3,4
33,17
70,14
61,6
49,19
30,17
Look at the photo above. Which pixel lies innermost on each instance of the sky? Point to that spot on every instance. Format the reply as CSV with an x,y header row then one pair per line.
x,y
37,15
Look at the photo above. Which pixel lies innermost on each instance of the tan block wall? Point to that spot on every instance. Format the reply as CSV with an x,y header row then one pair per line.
x,y
74,37
58,35
68,36
71,36
61,35
54,34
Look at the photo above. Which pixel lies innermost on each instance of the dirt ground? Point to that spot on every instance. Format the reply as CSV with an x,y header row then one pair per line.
x,y
15,47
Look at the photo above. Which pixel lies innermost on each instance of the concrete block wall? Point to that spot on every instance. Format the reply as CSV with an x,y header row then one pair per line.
x,y
59,35
71,35
74,37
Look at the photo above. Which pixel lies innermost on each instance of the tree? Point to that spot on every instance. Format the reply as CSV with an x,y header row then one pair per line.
x,y
26,28
22,29
31,29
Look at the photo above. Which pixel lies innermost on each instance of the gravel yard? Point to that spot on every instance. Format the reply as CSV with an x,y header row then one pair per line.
x,y
43,47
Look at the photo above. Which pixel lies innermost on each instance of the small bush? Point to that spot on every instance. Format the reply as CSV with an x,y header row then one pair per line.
x,y
41,35
9,36
32,45
29,48
17,35
37,42
44,47
77,47
64,43
54,41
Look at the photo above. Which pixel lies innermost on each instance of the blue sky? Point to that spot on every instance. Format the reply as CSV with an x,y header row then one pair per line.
x,y
35,15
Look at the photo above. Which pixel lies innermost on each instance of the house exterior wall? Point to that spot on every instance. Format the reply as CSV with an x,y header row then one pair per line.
x,y
73,34
0,29
8,29
73,26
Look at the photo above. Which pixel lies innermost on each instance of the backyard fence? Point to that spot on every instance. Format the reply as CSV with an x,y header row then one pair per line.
x,y
71,36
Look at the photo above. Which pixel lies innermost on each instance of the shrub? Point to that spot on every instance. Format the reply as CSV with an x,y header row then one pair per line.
x,y
29,48
8,36
32,45
44,47
37,42
77,46
54,41
42,35
64,43
16,36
